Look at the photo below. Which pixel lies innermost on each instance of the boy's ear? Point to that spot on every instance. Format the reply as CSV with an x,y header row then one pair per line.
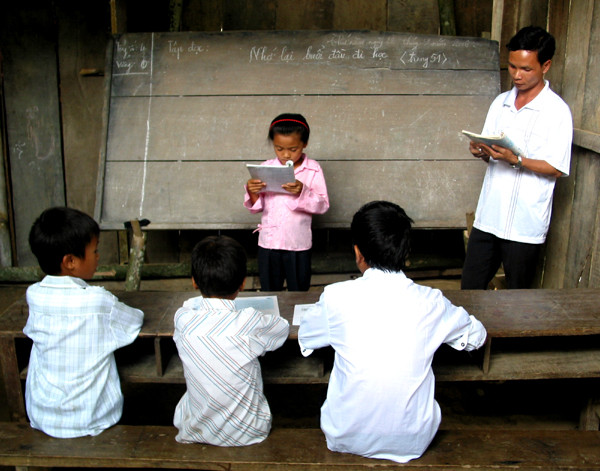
x,y
195,286
69,263
360,259
243,285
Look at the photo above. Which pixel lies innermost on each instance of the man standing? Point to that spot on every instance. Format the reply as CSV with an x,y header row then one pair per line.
x,y
513,212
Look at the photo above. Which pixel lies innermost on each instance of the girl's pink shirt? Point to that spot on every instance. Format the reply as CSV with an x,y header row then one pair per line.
x,y
286,219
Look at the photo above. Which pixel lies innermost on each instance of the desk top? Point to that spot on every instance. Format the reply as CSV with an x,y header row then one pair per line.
x,y
505,313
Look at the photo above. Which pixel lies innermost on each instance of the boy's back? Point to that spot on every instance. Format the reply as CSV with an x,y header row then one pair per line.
x,y
219,347
385,330
73,386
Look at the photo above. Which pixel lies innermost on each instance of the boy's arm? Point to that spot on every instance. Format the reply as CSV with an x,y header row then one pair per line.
x,y
314,329
471,337
465,332
272,332
126,322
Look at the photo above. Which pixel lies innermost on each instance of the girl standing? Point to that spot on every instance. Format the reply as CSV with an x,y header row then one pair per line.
x,y
285,236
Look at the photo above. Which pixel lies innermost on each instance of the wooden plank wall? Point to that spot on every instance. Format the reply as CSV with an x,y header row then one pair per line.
x,y
33,125
187,110
573,248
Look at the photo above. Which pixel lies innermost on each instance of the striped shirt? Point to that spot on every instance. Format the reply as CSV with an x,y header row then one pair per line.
x,y
219,347
72,386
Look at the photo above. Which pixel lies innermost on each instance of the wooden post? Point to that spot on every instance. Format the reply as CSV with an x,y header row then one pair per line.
x,y
447,18
136,257
497,14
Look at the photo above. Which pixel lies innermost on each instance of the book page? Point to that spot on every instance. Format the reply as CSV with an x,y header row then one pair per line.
x,y
264,304
502,140
273,175
299,310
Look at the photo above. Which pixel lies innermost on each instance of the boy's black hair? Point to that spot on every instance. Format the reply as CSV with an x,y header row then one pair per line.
x,y
381,230
58,232
534,38
218,266
290,123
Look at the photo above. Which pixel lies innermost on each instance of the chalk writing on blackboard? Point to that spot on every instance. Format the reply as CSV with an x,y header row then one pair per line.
x,y
132,57
316,54
412,57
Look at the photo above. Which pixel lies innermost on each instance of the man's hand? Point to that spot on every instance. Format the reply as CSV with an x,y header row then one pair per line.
x,y
480,150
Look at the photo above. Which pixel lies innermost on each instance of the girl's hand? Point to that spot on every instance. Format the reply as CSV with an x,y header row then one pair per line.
x,y
294,188
255,186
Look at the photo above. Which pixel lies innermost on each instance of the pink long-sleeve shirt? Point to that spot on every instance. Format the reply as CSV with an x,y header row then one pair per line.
x,y
286,218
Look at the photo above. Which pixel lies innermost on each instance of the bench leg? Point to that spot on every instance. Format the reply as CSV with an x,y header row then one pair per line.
x,y
12,380
590,415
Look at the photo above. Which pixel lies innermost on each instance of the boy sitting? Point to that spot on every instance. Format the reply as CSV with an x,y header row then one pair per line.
x,y
72,386
385,330
219,347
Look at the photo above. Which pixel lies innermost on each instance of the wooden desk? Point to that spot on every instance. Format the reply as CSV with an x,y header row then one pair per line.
x,y
533,334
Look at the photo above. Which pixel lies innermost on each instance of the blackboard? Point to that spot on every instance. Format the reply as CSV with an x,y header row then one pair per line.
x,y
186,111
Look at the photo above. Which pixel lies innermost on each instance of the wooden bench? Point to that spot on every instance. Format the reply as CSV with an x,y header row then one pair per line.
x,y
532,335
296,449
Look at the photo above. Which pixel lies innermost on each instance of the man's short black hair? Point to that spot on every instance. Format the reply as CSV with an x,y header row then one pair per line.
x,y
58,232
534,38
218,266
381,231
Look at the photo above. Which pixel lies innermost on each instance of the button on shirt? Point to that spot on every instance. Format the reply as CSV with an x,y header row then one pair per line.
x,y
72,386
385,330
287,218
219,347
516,204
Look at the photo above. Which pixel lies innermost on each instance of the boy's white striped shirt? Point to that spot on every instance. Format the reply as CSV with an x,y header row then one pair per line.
x,y
219,347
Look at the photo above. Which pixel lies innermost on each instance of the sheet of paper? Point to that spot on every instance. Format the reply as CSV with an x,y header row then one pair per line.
x,y
273,175
264,304
299,310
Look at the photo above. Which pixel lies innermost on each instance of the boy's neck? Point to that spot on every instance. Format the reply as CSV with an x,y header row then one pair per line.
x,y
230,297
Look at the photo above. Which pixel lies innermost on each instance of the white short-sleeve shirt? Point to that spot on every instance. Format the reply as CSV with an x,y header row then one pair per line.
x,y
516,204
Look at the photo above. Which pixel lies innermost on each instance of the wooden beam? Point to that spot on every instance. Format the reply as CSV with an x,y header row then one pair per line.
x,y
118,16
497,14
587,139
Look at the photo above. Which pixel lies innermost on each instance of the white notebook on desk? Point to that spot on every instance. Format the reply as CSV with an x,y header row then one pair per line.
x,y
264,304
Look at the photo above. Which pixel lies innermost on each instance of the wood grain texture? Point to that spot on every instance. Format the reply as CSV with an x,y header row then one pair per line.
x,y
385,109
305,449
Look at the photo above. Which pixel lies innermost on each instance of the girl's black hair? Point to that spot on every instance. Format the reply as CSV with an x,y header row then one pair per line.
x,y
381,231
290,123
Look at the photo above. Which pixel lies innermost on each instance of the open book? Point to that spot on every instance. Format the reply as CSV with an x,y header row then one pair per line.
x,y
264,304
502,140
273,175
